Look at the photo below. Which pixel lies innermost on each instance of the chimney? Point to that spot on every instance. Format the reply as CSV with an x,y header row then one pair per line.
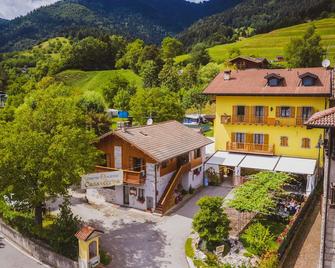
x,y
227,75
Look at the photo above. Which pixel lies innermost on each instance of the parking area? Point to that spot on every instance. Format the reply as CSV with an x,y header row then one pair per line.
x,y
140,239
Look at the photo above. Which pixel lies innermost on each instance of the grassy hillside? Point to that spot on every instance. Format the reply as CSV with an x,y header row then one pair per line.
x,y
94,80
272,44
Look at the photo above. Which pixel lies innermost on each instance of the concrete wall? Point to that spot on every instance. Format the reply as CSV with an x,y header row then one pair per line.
x,y
37,250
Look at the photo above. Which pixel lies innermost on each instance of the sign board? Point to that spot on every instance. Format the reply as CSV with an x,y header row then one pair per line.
x,y
101,180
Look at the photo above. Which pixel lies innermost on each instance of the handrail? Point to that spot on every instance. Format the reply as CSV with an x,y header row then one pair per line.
x,y
176,179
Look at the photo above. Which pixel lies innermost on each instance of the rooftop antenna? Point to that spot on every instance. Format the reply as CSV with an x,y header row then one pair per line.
x,y
325,63
150,121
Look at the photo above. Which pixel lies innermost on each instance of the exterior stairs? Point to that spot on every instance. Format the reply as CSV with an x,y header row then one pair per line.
x,y
167,200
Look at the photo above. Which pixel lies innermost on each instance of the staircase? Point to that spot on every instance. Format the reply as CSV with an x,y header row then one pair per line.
x,y
167,200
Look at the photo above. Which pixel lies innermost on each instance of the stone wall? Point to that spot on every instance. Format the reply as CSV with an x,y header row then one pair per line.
x,y
36,249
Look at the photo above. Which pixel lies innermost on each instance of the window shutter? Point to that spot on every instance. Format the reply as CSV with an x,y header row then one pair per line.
x,y
247,113
312,111
233,137
250,138
266,139
266,111
235,110
277,111
299,112
292,112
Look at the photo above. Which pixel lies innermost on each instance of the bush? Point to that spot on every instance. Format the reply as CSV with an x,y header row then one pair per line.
x,y
211,223
105,259
188,248
257,239
65,227
269,260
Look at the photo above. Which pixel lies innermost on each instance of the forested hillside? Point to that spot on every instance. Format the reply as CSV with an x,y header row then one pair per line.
x,y
254,16
150,20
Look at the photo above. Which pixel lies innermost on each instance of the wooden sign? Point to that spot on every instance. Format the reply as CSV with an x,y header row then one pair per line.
x,y
101,180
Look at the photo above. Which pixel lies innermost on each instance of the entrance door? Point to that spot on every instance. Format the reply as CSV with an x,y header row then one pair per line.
x,y
125,195
150,202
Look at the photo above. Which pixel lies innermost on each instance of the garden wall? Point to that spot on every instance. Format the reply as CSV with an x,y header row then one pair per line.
x,y
295,228
37,250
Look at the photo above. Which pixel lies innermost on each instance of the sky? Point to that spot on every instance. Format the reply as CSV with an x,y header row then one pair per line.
x,y
9,9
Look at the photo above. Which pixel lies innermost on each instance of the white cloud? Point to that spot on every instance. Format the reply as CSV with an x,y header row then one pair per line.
x,y
10,9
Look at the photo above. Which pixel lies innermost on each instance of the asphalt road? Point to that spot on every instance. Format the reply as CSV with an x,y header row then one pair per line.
x,y
12,257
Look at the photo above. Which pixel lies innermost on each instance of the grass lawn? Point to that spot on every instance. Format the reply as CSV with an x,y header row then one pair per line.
x,y
94,80
272,44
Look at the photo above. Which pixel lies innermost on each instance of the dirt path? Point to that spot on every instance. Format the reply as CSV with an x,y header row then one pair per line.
x,y
306,250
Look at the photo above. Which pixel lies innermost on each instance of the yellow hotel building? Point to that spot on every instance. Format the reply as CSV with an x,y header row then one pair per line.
x,y
262,112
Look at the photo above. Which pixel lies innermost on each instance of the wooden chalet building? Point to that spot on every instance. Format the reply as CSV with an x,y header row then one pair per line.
x,y
158,162
245,62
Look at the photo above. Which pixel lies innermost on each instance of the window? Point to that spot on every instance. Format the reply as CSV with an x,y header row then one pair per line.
x,y
140,194
197,153
258,139
137,164
285,111
164,164
308,81
240,137
273,82
284,141
306,112
240,110
306,143
259,111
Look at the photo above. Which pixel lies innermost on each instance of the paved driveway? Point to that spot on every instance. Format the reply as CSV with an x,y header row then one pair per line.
x,y
139,239
11,257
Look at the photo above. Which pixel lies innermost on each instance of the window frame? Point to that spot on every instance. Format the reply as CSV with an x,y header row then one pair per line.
x,y
197,153
285,112
240,135
258,138
306,143
284,141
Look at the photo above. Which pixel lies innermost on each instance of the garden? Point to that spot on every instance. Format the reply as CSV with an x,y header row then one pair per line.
x,y
259,242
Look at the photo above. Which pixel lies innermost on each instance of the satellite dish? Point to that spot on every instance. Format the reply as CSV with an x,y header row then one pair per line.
x,y
326,63
150,122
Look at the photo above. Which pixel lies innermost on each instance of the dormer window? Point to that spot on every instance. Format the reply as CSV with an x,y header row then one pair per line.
x,y
308,79
274,80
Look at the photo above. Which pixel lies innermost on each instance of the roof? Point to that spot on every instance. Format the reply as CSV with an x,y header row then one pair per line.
x,y
255,60
322,119
86,232
253,82
162,141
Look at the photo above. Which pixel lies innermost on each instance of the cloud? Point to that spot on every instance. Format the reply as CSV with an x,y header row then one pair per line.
x,y
9,9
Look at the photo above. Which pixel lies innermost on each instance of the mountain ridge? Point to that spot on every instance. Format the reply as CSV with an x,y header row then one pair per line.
x,y
150,20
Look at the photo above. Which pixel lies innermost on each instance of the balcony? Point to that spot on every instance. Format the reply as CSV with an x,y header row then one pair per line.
x,y
130,177
264,149
252,119
196,162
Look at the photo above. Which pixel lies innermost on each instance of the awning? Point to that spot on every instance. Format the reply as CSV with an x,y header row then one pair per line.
x,y
293,165
296,165
259,162
226,159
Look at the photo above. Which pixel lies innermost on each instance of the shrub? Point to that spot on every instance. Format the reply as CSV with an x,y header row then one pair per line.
x,y
211,223
65,227
269,260
257,239
188,248
105,259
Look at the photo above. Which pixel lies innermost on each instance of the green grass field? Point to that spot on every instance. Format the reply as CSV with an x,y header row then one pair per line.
x,y
94,80
272,44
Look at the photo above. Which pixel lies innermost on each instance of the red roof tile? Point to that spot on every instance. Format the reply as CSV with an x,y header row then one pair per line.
x,y
324,118
253,82
85,232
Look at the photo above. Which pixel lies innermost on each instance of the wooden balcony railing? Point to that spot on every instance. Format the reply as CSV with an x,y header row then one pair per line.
x,y
264,149
131,177
279,121
196,162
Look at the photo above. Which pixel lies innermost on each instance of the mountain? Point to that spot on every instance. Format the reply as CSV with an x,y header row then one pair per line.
x,y
261,15
3,21
149,20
